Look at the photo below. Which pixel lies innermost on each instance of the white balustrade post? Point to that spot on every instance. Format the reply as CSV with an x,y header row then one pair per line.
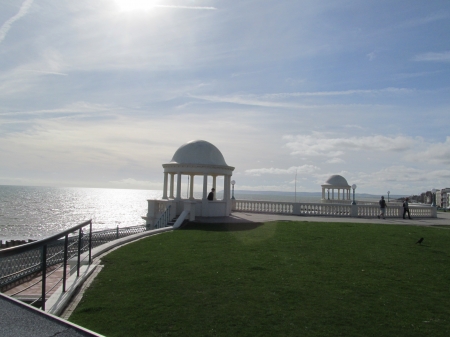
x,y
354,211
151,212
434,211
296,208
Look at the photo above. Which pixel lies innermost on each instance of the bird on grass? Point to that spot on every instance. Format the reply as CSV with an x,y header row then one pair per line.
x,y
420,241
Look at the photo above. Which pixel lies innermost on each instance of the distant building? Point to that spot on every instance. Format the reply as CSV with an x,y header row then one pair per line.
x,y
335,183
445,197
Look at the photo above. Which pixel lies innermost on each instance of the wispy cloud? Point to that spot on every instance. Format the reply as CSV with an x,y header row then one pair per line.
x,y
290,170
186,7
371,56
433,57
320,145
22,12
45,72
76,107
424,20
275,100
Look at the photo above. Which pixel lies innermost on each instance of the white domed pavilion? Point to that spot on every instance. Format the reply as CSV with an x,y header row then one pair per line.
x,y
199,158
336,182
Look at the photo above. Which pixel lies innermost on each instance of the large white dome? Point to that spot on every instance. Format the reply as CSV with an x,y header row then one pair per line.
x,y
198,152
337,180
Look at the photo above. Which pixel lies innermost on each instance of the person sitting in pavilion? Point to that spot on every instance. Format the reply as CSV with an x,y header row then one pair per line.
x,y
211,194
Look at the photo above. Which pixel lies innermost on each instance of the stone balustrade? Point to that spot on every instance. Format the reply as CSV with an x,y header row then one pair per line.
x,y
329,209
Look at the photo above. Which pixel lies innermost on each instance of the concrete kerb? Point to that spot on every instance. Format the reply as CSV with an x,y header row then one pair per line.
x,y
57,303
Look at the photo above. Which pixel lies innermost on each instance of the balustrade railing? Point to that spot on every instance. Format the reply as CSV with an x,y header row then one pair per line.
x,y
328,209
164,218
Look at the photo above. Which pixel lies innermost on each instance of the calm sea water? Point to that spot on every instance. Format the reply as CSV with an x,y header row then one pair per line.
x,y
38,212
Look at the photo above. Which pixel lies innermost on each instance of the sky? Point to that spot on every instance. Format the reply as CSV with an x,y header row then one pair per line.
x,y
102,93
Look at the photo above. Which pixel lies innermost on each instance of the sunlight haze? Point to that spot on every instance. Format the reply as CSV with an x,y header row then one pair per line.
x,y
101,94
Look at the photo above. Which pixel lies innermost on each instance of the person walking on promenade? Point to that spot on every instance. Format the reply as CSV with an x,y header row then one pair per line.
x,y
383,206
406,209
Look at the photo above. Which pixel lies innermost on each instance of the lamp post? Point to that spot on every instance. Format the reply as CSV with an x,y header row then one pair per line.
x,y
354,188
433,197
389,192
232,189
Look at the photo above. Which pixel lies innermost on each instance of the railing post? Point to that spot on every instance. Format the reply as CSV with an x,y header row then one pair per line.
x,y
434,211
44,274
117,232
66,245
80,231
354,211
90,242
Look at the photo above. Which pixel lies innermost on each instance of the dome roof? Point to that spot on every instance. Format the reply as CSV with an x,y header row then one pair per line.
x,y
337,180
198,152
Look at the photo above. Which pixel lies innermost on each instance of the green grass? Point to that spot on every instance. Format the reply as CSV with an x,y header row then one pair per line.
x,y
275,279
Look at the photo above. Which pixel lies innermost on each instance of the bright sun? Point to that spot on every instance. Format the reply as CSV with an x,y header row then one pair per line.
x,y
133,5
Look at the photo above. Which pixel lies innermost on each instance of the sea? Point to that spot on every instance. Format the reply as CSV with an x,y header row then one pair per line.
x,y
31,212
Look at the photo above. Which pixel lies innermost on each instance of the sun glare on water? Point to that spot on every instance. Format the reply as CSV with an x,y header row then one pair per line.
x,y
136,5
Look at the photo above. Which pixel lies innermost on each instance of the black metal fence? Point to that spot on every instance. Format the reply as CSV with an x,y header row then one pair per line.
x,y
42,258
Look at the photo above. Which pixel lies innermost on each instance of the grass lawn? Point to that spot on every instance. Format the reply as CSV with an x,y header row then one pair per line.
x,y
275,279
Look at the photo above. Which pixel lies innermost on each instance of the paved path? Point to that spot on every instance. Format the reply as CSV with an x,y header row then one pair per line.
x,y
443,219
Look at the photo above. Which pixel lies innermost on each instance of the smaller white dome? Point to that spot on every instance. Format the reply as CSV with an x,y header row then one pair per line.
x,y
337,180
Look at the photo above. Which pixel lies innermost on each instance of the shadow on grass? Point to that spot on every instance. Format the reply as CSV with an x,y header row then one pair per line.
x,y
221,227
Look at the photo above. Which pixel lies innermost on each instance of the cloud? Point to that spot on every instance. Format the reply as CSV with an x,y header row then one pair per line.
x,y
437,153
186,7
22,12
290,170
278,100
319,144
424,20
335,161
433,57
371,56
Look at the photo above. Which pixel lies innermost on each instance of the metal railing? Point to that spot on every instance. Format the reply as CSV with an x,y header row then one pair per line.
x,y
40,259
44,257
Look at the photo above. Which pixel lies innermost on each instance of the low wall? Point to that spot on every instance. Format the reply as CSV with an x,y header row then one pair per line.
x,y
329,209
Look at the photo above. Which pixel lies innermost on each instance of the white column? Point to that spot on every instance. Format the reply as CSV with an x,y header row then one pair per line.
x,y
332,193
323,193
191,187
179,185
214,186
226,187
339,194
205,186
172,178
165,186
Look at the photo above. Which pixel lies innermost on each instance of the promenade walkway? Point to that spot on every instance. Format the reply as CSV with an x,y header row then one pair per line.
x,y
443,219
